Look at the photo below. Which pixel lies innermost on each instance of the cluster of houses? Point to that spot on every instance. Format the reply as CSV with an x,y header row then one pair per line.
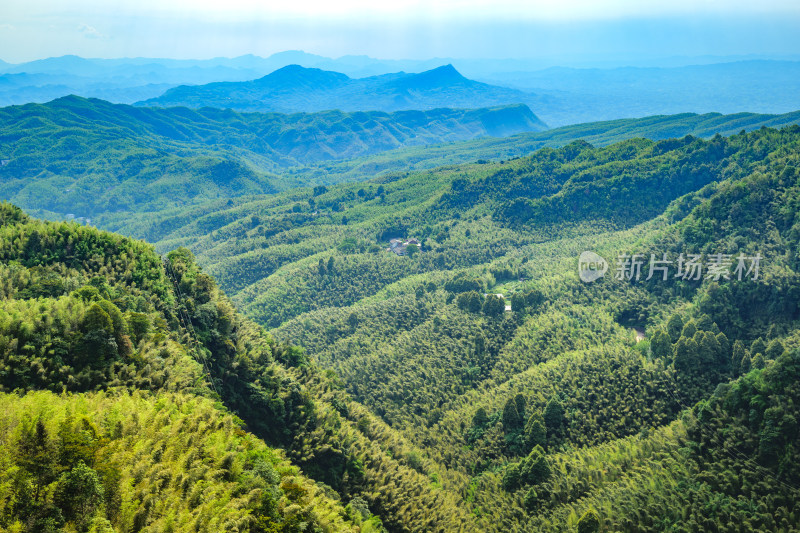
x,y
399,246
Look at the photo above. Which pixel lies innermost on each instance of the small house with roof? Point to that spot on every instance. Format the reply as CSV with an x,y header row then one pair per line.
x,y
400,246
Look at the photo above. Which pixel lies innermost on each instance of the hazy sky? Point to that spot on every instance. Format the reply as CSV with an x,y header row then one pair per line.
x,y
576,29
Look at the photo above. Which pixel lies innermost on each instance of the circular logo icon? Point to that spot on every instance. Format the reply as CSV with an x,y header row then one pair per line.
x,y
591,267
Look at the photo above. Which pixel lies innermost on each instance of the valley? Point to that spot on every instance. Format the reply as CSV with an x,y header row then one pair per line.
x,y
317,301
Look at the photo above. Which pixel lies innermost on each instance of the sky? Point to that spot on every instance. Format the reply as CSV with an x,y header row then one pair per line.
x,y
571,30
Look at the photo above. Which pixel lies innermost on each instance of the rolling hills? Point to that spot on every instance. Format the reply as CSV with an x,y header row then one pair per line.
x,y
416,340
107,162
411,387
87,157
474,383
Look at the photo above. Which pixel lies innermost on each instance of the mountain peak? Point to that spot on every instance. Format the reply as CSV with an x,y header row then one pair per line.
x,y
448,70
437,77
296,76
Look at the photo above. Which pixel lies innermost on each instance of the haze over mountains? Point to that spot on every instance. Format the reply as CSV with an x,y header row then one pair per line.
x,y
557,95
295,88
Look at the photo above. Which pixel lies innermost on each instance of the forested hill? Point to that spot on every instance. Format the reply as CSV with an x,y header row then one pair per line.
x,y
369,390
293,89
87,157
656,128
107,163
142,383
552,414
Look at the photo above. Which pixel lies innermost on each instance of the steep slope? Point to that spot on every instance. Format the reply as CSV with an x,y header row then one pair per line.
x,y
293,89
83,310
553,413
86,311
132,461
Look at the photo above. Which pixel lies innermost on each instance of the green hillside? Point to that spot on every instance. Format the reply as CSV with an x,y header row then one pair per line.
x,y
415,340
89,157
128,342
602,133
120,461
358,389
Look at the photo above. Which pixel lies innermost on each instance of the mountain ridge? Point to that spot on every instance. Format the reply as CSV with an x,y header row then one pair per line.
x,y
91,155
563,94
300,89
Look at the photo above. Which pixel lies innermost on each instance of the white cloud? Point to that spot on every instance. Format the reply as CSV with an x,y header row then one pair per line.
x,y
90,32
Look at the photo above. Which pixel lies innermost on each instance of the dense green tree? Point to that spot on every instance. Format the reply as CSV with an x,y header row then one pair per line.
x,y
511,477
534,469
139,326
512,421
469,301
79,493
674,327
493,306
661,345
685,352
480,419
554,417
535,431
689,329
774,349
589,522
746,364
98,344
78,441
738,354
521,403
518,303
758,346
36,454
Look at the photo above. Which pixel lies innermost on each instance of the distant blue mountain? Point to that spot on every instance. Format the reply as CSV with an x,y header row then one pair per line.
x,y
295,77
559,95
298,89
